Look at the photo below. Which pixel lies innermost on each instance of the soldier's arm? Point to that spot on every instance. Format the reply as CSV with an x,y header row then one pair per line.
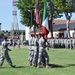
x,y
8,49
47,45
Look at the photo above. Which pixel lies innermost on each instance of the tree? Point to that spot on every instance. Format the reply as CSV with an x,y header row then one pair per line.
x,y
53,13
67,7
24,6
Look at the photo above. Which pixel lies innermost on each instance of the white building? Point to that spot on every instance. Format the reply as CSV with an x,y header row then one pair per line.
x,y
59,29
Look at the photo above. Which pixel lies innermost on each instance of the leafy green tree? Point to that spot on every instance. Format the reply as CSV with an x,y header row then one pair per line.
x,y
24,6
53,13
67,7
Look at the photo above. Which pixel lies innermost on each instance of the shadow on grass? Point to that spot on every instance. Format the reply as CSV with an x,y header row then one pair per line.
x,y
19,67
71,64
56,66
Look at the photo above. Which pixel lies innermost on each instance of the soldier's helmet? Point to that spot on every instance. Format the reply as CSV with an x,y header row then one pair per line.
x,y
4,37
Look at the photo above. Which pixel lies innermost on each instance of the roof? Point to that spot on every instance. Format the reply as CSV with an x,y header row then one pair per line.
x,y
62,21
60,25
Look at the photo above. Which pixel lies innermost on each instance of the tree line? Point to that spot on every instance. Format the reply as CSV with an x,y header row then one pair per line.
x,y
54,10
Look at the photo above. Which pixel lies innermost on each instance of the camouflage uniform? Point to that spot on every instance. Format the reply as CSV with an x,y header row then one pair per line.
x,y
45,57
35,59
31,50
41,48
18,43
14,43
5,55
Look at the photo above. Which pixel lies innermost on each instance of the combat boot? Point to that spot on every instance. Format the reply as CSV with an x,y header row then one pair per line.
x,y
47,66
38,66
13,66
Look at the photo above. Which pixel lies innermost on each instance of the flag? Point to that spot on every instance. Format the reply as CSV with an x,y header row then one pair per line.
x,y
37,13
45,26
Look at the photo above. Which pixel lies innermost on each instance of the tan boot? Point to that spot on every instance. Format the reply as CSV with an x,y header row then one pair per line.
x,y
47,66
38,66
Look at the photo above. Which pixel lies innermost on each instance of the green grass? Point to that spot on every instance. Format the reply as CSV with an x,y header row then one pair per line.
x,y
62,62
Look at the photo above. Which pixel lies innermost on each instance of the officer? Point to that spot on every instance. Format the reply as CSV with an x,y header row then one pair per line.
x,y
31,49
35,58
4,53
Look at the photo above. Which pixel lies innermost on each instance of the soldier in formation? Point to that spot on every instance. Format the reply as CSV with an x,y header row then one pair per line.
x,y
43,57
18,42
38,53
31,49
35,58
4,53
68,43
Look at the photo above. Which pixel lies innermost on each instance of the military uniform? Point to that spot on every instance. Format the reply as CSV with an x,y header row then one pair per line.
x,y
45,54
4,54
31,50
18,43
36,50
41,41
43,57
14,43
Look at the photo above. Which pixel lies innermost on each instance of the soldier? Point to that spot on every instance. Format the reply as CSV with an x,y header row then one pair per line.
x,y
4,53
45,56
18,43
35,58
14,43
31,49
42,53
41,41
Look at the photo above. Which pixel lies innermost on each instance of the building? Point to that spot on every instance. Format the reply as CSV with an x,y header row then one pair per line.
x,y
59,29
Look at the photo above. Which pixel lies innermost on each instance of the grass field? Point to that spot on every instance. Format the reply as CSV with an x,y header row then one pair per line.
x,y
62,62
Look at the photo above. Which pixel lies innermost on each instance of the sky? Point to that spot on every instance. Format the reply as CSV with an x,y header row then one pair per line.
x,y
6,17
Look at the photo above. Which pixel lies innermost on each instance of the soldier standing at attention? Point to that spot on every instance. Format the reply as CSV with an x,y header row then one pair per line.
x,y
18,43
4,53
31,50
14,43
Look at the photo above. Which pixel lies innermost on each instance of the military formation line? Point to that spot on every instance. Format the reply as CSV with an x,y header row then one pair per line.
x,y
62,43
